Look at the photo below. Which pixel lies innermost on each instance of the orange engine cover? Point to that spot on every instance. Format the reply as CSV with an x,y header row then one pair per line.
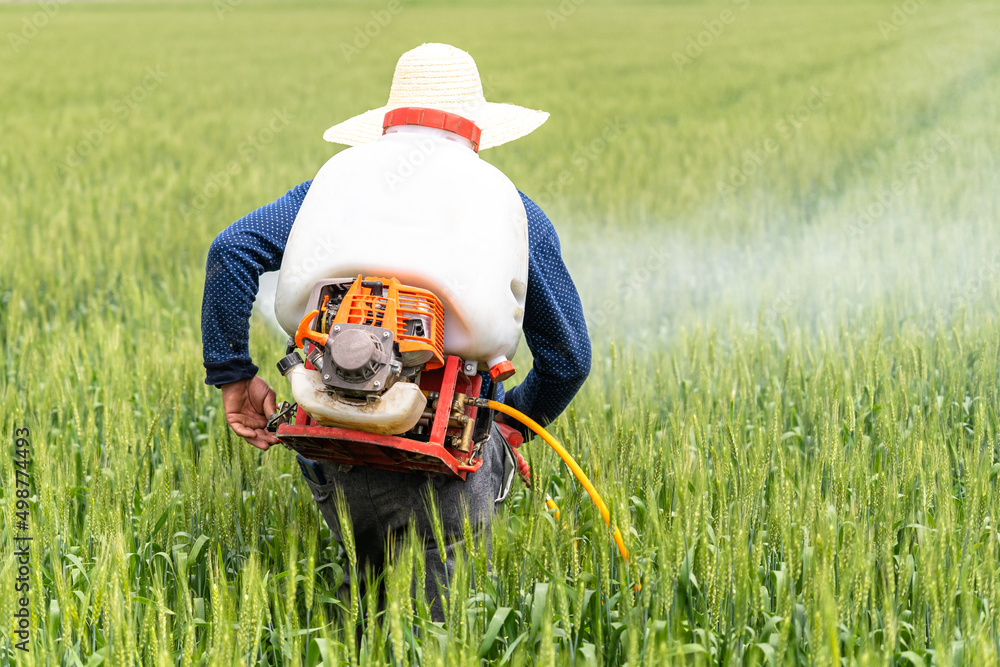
x,y
400,308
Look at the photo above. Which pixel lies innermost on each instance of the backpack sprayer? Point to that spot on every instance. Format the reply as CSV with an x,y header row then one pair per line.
x,y
384,383
376,389
376,366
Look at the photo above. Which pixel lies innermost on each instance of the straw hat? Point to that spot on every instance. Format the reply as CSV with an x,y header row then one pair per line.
x,y
443,77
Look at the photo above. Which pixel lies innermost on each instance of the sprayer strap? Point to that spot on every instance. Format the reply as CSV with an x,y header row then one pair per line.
x,y
442,120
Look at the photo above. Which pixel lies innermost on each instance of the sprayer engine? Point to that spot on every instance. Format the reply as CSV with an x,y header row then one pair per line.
x,y
376,388
376,333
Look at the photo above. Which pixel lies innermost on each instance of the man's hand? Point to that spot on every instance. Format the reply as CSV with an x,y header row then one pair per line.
x,y
248,403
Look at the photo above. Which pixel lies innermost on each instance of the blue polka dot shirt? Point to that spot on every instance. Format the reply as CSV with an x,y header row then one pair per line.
x,y
554,327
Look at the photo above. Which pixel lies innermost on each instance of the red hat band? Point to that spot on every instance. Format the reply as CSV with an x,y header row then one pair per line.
x,y
441,120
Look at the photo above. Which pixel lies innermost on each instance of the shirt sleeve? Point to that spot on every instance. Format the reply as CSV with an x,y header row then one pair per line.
x,y
237,257
554,327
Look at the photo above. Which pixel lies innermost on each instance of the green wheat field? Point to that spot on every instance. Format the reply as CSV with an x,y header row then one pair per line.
x,y
782,218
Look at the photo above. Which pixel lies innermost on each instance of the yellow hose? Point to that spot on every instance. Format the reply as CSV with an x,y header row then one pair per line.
x,y
565,456
551,504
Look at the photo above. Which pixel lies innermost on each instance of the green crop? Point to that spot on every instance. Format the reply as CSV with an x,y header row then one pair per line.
x,y
785,238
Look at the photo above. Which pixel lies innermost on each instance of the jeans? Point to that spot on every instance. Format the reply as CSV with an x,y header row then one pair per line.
x,y
383,504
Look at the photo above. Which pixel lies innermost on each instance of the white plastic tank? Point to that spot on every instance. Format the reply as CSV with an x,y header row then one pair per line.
x,y
418,205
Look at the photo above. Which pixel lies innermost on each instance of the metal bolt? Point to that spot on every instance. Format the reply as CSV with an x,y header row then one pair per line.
x,y
376,384
326,377
336,327
385,334
468,368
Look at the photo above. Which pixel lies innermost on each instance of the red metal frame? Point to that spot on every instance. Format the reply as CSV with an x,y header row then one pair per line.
x,y
390,452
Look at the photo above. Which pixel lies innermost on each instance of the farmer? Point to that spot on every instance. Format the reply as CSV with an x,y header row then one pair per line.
x,y
383,503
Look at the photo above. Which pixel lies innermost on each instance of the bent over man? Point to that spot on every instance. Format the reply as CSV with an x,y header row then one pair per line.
x,y
383,504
